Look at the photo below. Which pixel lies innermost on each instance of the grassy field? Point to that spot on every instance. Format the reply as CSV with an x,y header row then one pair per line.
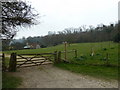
x,y
96,65
84,51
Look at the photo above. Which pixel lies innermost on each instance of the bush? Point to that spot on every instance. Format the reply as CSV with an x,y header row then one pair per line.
x,y
104,49
117,38
82,57
112,48
97,54
43,46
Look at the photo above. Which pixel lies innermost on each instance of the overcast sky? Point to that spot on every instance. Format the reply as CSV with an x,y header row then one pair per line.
x,y
60,14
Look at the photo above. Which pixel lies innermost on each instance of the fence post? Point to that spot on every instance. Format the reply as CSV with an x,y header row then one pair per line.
x,y
107,59
3,63
59,56
55,57
12,63
75,53
65,50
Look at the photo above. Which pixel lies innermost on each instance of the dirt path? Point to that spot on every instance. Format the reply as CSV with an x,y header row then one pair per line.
x,y
48,76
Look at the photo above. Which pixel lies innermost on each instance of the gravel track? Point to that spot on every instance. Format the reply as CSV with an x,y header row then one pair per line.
x,y
49,76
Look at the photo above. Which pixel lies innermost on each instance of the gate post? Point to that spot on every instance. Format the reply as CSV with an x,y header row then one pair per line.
x,y
3,63
55,57
59,56
12,63
75,53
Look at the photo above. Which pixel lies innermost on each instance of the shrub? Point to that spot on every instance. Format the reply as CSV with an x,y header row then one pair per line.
x,y
43,46
82,57
117,38
112,48
104,49
98,54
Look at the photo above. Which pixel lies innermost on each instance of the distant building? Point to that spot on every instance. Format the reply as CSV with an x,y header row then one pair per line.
x,y
27,47
37,46
32,46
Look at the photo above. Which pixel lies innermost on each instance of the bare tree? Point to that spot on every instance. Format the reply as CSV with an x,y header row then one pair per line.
x,y
16,14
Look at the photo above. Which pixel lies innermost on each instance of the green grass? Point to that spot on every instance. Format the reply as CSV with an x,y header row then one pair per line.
x,y
9,81
84,63
103,72
84,49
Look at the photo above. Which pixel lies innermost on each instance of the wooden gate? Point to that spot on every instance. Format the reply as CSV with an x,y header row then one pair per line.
x,y
28,60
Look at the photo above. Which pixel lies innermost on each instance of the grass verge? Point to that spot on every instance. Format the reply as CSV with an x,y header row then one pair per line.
x,y
101,72
9,81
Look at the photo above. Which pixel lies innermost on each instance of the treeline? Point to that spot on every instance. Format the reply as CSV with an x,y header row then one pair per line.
x,y
79,35
83,34
73,35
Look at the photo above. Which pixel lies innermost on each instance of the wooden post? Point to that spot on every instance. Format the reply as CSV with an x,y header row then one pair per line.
x,y
65,50
107,59
75,53
101,45
55,57
12,63
59,56
109,43
3,63
92,51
